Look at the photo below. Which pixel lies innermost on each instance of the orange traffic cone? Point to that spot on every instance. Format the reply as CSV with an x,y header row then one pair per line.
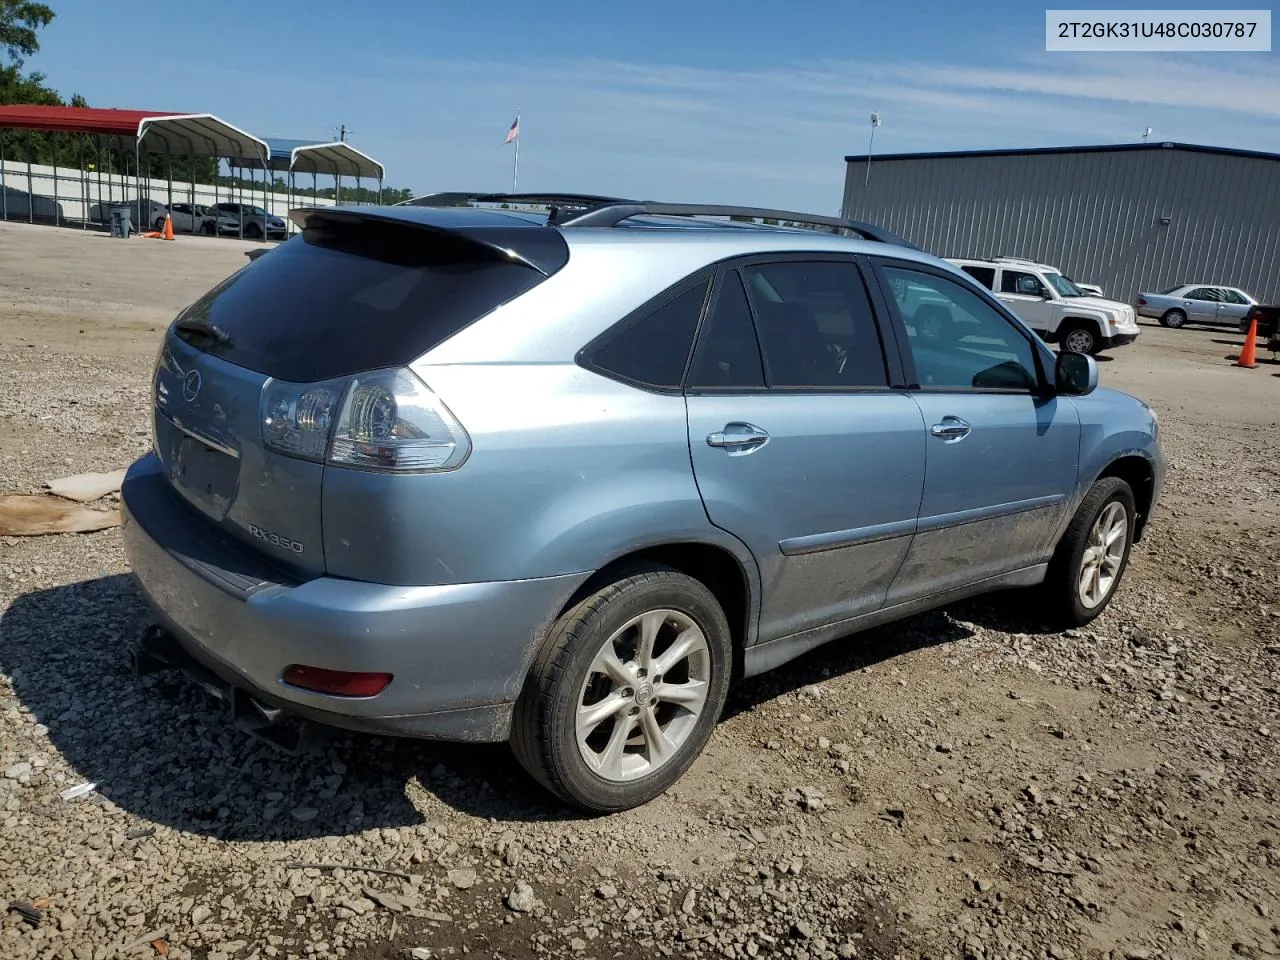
x,y
168,227
1249,352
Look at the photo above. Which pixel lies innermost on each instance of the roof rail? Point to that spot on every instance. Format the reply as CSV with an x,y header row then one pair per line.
x,y
553,200
614,213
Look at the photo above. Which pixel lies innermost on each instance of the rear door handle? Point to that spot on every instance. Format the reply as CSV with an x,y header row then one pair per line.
x,y
951,429
738,437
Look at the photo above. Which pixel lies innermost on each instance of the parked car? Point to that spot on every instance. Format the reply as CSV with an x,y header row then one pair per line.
x,y
187,218
257,223
1053,306
487,475
1088,289
1201,303
1268,320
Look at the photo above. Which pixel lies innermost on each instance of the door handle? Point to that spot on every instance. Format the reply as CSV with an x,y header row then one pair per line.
x,y
951,429
737,436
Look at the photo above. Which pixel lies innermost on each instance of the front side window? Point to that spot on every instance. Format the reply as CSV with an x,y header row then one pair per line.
x,y
815,324
1234,296
957,340
1027,284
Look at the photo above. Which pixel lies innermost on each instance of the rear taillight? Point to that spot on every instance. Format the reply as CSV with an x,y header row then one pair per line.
x,y
388,420
1142,301
337,683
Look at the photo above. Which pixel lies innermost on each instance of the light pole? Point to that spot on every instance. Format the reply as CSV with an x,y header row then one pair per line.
x,y
875,122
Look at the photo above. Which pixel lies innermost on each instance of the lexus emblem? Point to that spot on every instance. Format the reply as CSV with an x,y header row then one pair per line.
x,y
191,385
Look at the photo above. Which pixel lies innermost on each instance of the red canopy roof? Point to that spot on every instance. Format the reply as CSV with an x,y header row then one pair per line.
x,y
76,119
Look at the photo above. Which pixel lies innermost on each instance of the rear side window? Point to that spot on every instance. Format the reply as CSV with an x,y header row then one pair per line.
x,y
815,324
343,298
654,350
728,354
984,275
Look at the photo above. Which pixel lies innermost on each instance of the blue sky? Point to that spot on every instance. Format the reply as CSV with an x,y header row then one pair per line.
x,y
749,102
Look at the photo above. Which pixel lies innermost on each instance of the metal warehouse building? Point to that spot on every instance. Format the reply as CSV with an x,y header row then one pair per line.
x,y
1130,217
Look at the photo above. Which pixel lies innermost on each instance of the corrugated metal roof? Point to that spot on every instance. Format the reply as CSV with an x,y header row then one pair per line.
x,y
107,122
1040,151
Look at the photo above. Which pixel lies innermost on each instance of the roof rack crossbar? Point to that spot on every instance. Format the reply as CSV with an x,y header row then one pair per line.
x,y
612,214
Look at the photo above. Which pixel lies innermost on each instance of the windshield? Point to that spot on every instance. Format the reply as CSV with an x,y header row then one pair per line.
x,y
1064,286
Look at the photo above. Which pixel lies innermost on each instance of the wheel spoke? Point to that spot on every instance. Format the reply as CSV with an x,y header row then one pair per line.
x,y
1086,578
650,624
592,716
683,645
607,664
1095,584
690,695
656,744
610,759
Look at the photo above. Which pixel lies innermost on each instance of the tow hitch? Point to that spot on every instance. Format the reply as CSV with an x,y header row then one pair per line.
x,y
156,650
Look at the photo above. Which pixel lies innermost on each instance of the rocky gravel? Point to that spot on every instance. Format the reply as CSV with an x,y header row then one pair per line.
x,y
966,784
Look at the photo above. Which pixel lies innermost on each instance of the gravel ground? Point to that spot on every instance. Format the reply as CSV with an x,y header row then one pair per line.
x,y
963,784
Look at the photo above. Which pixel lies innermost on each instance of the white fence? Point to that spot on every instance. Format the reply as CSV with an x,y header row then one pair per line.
x,y
60,195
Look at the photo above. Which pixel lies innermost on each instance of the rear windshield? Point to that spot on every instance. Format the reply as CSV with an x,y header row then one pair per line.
x,y
342,299
1165,293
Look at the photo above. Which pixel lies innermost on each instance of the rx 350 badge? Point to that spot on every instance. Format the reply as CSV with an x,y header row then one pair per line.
x,y
284,543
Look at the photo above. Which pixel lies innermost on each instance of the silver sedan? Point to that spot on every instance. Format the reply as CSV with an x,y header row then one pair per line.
x,y
1196,303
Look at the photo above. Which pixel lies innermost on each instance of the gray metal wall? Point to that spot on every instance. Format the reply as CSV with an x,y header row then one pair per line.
x,y
1096,216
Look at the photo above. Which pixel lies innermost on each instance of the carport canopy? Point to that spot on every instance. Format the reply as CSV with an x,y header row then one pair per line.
x,y
338,159
200,135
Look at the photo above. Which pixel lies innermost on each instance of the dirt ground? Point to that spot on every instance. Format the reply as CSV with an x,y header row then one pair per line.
x,y
963,784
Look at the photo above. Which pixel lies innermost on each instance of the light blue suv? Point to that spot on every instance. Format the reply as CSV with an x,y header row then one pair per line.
x,y
558,477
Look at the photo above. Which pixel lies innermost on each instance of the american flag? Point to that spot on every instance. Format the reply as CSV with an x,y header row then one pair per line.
x,y
514,132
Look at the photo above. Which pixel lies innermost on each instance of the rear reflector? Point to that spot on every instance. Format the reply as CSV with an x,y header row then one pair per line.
x,y
338,683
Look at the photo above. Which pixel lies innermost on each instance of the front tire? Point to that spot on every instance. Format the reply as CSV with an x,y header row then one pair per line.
x,y
1092,556
626,691
1080,339
1173,319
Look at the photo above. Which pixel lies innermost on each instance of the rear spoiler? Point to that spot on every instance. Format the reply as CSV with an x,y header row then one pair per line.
x,y
536,247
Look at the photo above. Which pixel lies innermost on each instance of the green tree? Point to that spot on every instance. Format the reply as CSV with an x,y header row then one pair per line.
x,y
19,21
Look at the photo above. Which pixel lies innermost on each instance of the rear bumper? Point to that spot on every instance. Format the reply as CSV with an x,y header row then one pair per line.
x,y
458,652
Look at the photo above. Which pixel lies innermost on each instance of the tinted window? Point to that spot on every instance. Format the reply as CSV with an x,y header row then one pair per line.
x,y
984,275
956,338
1202,293
728,354
346,297
654,351
1028,284
815,325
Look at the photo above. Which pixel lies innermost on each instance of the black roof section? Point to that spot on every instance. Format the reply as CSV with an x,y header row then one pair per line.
x,y
579,211
488,234
1045,151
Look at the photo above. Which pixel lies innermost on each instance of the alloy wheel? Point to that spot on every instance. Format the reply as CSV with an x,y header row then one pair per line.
x,y
643,695
1100,565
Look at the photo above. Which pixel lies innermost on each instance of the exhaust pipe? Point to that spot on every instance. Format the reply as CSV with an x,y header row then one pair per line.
x,y
156,651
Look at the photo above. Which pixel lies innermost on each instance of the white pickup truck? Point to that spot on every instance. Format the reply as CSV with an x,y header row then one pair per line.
x,y
1053,306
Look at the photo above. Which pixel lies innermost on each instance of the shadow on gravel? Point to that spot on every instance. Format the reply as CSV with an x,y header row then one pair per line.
x,y
1006,612
164,751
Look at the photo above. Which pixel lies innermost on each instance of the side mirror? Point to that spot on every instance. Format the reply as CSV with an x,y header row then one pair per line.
x,y
1075,374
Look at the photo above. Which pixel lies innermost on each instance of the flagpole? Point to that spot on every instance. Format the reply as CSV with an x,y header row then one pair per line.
x,y
515,170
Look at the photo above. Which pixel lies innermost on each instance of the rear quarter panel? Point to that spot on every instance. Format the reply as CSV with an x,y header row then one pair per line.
x,y
568,471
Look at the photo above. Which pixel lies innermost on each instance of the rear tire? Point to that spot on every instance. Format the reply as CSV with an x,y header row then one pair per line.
x,y
587,724
1173,319
253,232
1097,544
